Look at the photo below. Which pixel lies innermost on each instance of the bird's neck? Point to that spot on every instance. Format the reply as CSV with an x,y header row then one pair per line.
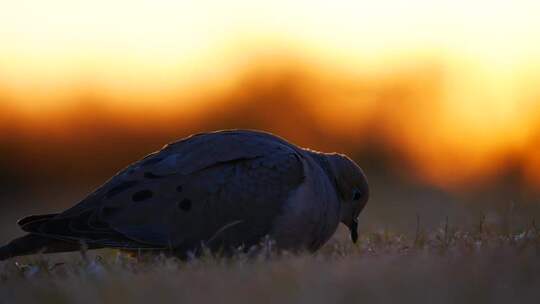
x,y
324,162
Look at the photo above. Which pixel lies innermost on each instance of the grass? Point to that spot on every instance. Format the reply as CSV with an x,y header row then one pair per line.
x,y
445,265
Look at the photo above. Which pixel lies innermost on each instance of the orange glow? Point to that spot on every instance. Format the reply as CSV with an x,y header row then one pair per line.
x,y
452,86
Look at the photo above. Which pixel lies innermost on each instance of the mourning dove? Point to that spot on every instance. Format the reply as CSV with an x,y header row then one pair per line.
x,y
222,190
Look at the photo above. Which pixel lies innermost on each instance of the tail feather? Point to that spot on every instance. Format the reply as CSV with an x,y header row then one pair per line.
x,y
5,252
28,244
33,243
33,218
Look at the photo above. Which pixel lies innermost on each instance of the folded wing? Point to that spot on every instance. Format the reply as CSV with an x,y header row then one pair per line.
x,y
219,188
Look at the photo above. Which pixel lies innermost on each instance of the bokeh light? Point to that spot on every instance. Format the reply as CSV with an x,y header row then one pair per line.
x,y
451,88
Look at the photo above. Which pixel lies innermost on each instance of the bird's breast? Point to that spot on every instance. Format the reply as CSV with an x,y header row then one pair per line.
x,y
311,214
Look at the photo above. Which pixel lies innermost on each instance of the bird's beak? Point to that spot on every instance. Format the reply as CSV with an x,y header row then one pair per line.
x,y
353,228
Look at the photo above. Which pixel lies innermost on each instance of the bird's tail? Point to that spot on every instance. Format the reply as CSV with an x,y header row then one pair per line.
x,y
33,243
5,252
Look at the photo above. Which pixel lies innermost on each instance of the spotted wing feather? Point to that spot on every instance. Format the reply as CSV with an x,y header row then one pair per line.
x,y
221,189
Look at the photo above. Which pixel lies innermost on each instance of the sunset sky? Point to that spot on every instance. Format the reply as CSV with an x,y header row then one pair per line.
x,y
169,56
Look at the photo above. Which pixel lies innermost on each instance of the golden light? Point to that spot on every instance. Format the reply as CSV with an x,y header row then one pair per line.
x,y
141,53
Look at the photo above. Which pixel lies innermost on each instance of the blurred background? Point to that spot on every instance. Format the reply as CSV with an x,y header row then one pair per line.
x,y
439,101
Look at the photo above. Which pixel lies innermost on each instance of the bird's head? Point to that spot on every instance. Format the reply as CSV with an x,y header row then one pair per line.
x,y
352,188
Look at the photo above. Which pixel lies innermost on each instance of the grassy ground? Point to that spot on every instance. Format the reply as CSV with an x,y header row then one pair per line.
x,y
442,266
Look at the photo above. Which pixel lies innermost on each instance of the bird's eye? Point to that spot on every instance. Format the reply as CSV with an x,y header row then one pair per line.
x,y
356,195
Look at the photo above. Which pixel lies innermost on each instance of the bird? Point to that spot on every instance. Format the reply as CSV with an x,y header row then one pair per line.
x,y
220,190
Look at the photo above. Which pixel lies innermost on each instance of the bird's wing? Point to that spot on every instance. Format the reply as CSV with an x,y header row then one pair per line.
x,y
222,188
